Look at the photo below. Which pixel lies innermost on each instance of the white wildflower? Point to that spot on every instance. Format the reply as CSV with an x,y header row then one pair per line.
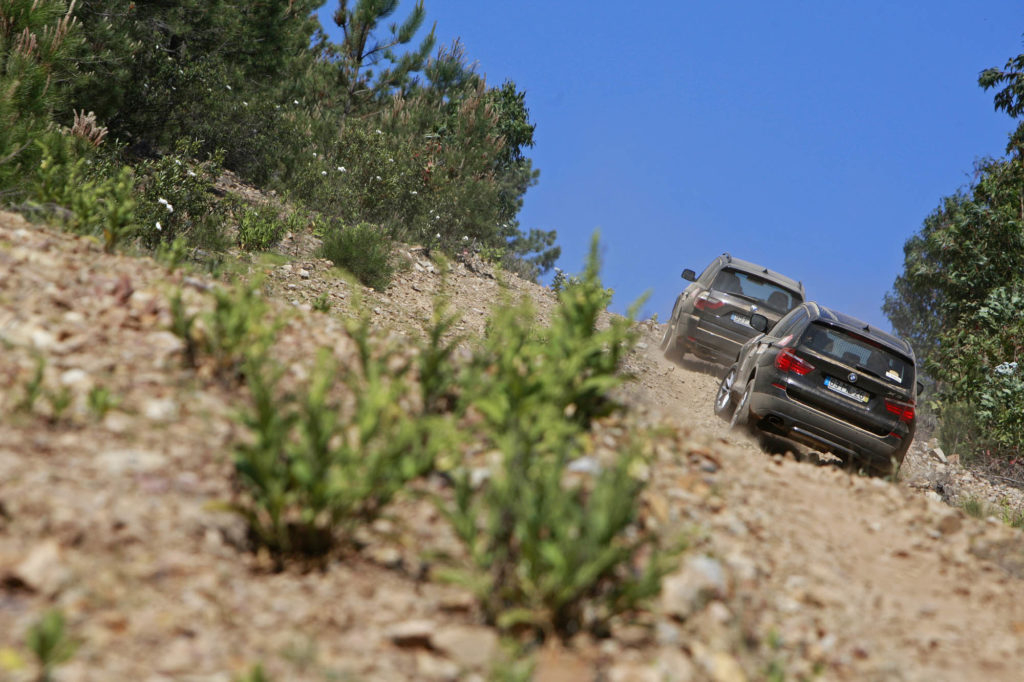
x,y
379,131
228,87
244,103
379,177
177,162
437,236
323,172
191,174
413,192
314,155
341,169
159,227
391,160
465,238
1006,368
295,101
161,200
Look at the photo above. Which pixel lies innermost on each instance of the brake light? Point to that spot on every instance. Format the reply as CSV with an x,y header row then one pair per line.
x,y
905,411
787,361
706,302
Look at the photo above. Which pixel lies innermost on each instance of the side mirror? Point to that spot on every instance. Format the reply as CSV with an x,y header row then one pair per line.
x,y
920,388
689,275
759,322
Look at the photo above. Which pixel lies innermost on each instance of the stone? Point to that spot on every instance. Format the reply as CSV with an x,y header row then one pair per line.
x,y
469,646
686,591
160,409
632,672
412,633
938,454
130,460
433,667
43,570
555,664
950,523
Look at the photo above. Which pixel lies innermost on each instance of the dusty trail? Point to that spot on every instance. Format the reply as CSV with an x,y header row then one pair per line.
x,y
884,577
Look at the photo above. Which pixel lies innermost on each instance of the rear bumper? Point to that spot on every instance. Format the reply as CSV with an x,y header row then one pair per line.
x,y
773,411
707,343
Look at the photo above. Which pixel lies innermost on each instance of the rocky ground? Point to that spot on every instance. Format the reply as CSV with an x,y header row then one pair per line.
x,y
795,570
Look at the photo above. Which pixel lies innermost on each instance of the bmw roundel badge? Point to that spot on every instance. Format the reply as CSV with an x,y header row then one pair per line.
x,y
852,377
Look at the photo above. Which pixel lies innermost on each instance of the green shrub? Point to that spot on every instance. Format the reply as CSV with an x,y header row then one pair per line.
x,y
48,639
176,199
259,229
363,250
547,554
85,197
318,464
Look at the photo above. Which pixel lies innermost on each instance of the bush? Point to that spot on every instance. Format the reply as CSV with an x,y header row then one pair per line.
x,y
549,555
319,464
363,250
258,231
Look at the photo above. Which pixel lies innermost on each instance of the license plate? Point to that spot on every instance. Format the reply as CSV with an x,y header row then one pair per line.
x,y
846,389
740,319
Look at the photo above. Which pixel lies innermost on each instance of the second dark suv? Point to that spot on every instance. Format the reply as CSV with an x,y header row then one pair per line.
x,y
711,317
829,381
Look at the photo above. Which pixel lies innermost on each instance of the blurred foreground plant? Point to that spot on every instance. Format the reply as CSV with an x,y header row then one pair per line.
x,y
550,554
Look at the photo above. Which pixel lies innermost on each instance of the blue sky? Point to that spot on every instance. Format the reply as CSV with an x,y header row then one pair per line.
x,y
810,137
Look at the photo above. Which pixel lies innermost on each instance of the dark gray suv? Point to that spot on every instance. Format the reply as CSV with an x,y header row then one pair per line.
x,y
829,381
711,317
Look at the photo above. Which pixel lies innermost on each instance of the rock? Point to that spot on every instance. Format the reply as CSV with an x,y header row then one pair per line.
x,y
630,672
432,667
938,454
43,570
674,666
412,633
160,410
121,461
585,465
725,668
555,664
686,591
304,274
469,646
951,523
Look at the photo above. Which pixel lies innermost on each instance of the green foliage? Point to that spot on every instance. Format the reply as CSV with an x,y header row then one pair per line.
x,y
258,231
550,554
255,674
235,331
176,199
38,45
33,388
363,250
48,639
322,303
960,298
100,401
87,199
334,454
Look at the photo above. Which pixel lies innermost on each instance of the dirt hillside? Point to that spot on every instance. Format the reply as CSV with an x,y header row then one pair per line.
x,y
795,571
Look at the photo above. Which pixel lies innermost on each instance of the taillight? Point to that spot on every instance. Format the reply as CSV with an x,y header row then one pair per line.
x,y
787,361
905,411
706,302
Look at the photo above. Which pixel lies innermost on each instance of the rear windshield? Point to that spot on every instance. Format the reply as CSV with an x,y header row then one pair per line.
x,y
859,353
758,289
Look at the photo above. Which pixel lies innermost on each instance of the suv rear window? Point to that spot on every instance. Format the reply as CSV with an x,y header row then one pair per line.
x,y
859,352
758,289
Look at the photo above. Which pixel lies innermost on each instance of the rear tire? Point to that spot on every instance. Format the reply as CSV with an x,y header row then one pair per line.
x,y
741,415
724,404
670,344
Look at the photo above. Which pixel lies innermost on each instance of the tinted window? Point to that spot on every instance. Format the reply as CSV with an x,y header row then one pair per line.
x,y
859,353
758,289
